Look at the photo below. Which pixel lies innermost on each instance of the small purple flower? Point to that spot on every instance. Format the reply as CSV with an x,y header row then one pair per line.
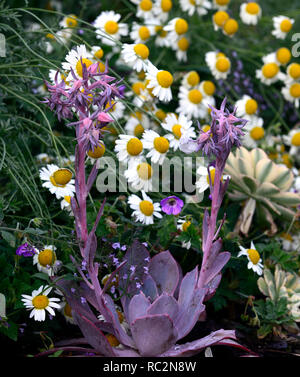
x,y
25,250
116,245
171,205
83,300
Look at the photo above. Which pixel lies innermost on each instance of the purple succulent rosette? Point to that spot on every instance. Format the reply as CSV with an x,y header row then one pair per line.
x,y
172,205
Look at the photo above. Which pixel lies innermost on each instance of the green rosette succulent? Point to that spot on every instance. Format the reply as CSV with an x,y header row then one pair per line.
x,y
262,186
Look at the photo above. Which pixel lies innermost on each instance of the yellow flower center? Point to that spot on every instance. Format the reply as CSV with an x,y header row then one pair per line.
x,y
61,177
166,5
146,5
270,70
141,75
181,26
137,87
257,133
209,88
206,128
273,156
50,36
144,171
222,2
40,302
111,27
222,64
176,129
99,53
185,225
144,33
286,26
296,139
252,8
120,316
253,255
141,50
79,66
294,71
46,257
295,90
183,44
138,115
212,176
161,144
98,151
164,79
193,78
160,114
251,106
101,67
68,198
287,237
67,310
138,130
231,26
286,160
193,2
146,207
134,146
195,96
220,18
283,55
71,21
112,340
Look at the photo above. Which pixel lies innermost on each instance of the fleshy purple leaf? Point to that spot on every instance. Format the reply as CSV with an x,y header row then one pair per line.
x,y
138,307
164,304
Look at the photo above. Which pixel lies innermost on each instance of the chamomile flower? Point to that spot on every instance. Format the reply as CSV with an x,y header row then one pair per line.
x,y
246,107
158,146
39,302
183,224
136,124
293,140
97,52
44,158
69,21
109,29
181,47
176,27
66,310
290,242
254,132
202,183
250,13
75,60
160,82
96,153
116,109
145,9
207,88
162,8
66,204
195,6
161,37
230,27
58,180
136,56
144,209
292,73
282,26
218,64
281,57
291,93
269,73
141,33
128,148
192,103
139,175
219,19
61,76
190,79
179,127
221,4
46,260
254,259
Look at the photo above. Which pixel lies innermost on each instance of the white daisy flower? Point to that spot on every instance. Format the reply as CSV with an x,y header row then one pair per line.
x,y
292,73
109,29
221,4
116,109
181,46
207,88
176,27
254,259
195,6
145,9
162,38
65,204
39,302
183,225
60,77
203,182
218,64
230,27
250,13
254,132
281,57
141,33
282,26
144,209
290,242
66,310
46,260
291,93
190,79
162,8
128,148
180,127
69,21
136,56
75,59
293,140
246,107
44,158
269,73
158,146
58,180
192,103
161,82
136,124
139,175
97,52
219,19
